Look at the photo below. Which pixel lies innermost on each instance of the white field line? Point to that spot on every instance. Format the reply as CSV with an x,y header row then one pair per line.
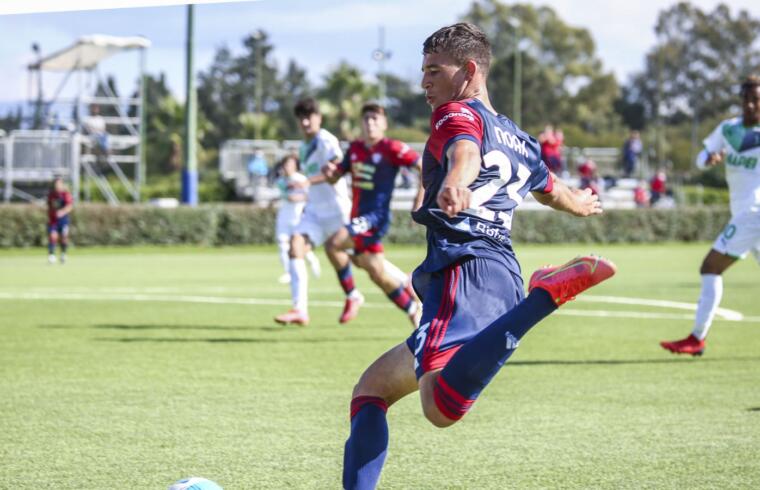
x,y
723,312
94,296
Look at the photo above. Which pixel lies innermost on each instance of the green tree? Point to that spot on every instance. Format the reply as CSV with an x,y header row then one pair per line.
x,y
342,96
12,119
234,87
700,57
406,105
563,80
293,86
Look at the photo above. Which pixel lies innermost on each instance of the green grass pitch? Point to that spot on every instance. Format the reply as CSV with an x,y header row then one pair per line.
x,y
131,368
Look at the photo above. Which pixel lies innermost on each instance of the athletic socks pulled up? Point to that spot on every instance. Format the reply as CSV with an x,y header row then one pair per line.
x,y
346,278
367,446
478,361
401,298
299,282
709,300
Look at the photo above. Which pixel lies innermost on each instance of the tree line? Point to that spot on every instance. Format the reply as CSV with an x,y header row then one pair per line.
x,y
688,82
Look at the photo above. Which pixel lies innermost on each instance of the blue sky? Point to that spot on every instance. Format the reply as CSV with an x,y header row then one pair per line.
x,y
317,37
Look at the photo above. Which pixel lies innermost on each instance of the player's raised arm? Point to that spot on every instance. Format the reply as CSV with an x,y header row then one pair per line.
x,y
454,195
420,186
574,201
708,159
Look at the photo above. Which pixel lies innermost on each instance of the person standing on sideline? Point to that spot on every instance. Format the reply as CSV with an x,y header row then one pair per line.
x,y
59,207
632,149
551,140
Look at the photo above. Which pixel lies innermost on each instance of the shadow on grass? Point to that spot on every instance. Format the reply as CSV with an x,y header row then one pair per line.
x,y
116,326
235,340
753,409
628,362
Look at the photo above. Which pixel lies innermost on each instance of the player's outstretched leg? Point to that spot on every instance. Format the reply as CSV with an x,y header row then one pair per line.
x,y
283,244
393,282
341,262
298,314
387,380
52,239
354,299
713,266
316,269
64,246
454,389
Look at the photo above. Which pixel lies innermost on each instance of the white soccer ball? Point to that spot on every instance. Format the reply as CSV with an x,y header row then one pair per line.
x,y
194,483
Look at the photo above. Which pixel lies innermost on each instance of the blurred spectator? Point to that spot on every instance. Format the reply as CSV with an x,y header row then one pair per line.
x,y
632,149
589,176
258,170
95,126
59,206
551,141
640,195
658,186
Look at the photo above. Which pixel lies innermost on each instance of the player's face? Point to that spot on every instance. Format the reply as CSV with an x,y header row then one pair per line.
x,y
751,106
59,187
310,124
443,79
374,126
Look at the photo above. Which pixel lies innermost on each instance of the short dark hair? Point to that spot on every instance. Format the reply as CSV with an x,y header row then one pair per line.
x,y
463,41
289,156
372,107
306,107
750,82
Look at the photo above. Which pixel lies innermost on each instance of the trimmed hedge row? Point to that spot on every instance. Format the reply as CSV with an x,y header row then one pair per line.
x,y
95,224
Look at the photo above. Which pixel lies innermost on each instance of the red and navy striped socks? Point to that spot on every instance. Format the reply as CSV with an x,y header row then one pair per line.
x,y
367,445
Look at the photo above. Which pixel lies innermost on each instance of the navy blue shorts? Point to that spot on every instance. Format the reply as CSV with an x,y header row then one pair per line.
x,y
61,227
457,303
367,233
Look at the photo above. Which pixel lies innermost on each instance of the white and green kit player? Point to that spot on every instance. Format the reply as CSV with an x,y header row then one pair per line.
x,y
736,143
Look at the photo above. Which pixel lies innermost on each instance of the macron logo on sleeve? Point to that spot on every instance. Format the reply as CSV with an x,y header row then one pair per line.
x,y
463,112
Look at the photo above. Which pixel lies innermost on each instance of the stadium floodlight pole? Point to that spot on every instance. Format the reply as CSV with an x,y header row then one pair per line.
x,y
190,167
37,122
517,75
143,122
258,88
380,55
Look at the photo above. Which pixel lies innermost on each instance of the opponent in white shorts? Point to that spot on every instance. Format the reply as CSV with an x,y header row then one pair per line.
x,y
735,142
292,202
327,206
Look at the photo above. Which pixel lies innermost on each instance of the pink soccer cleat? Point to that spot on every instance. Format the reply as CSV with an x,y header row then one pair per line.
x,y
351,308
294,316
565,282
689,345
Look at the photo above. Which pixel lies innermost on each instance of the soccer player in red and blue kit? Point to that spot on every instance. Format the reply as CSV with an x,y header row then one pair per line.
x,y
59,206
373,163
477,167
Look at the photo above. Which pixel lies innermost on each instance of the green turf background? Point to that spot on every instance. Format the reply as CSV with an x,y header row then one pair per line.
x,y
134,395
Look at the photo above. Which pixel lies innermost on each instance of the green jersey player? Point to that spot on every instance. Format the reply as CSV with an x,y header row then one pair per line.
x,y
735,143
